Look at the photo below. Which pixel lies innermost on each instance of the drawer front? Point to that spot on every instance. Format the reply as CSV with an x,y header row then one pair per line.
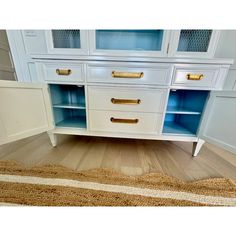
x,y
62,72
195,76
129,73
123,99
125,122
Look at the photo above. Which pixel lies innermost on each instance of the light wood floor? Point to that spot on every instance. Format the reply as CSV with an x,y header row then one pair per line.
x,y
132,157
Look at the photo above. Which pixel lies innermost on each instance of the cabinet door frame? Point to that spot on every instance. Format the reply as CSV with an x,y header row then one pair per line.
x,y
208,117
43,99
84,50
128,53
174,43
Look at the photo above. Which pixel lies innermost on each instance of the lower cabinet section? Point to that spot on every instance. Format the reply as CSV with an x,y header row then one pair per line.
x,y
126,122
182,116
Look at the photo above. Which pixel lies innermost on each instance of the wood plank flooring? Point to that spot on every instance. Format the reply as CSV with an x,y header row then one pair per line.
x,y
131,157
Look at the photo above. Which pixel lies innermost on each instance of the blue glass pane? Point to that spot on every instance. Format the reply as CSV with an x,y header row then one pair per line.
x,y
194,40
66,38
137,40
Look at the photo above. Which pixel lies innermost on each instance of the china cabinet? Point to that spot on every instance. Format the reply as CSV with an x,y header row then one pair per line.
x,y
118,83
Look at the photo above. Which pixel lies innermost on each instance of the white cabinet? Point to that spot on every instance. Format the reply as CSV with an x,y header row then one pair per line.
x,y
193,43
111,83
25,110
151,43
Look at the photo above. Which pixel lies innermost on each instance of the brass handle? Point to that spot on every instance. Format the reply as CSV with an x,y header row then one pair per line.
x,y
126,101
124,121
194,76
130,75
63,71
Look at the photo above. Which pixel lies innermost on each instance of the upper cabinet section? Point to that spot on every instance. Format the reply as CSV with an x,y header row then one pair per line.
x,y
123,43
193,43
152,43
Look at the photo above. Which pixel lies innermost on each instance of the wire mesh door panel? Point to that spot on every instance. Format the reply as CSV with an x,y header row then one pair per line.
x,y
194,40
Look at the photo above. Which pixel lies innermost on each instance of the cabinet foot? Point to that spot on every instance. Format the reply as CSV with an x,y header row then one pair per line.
x,y
53,139
197,147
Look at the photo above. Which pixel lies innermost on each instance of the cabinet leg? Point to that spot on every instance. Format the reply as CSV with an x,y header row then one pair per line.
x,y
197,147
53,139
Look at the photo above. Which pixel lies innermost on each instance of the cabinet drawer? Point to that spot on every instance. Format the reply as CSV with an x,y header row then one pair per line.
x,y
61,72
129,73
125,122
195,76
123,99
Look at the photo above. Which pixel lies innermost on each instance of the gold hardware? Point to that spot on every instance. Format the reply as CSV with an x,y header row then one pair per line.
x,y
194,76
63,71
131,75
126,101
125,121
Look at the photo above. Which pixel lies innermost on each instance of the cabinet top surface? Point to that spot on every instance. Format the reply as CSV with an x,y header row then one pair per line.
x,y
222,61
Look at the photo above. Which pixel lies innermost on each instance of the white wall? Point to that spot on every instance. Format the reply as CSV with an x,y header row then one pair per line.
x,y
227,49
7,71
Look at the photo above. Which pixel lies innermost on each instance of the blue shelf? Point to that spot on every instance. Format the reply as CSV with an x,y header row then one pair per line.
x,y
173,128
70,105
73,122
180,110
69,108
183,114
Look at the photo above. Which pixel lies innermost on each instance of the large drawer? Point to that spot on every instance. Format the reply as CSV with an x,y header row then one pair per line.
x,y
126,99
125,122
129,73
61,71
195,75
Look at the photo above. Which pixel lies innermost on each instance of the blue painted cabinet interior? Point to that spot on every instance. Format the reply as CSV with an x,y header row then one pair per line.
x,y
68,103
66,38
136,40
194,40
184,110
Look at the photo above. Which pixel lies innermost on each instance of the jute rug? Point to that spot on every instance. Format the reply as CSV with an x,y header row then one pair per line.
x,y
59,186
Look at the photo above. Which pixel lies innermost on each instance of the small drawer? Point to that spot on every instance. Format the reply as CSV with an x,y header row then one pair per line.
x,y
61,72
129,73
126,99
125,122
195,76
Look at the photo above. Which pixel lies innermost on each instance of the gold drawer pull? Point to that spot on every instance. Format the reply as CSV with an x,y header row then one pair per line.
x,y
126,101
194,76
63,71
124,121
130,75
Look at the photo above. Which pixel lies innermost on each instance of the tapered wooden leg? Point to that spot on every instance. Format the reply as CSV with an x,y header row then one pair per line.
x,y
197,147
53,139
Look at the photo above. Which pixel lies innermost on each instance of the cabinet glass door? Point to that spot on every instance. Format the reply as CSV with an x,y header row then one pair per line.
x,y
193,43
194,40
128,42
67,41
66,38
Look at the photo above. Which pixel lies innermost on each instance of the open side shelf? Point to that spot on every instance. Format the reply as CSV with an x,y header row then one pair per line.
x,y
184,110
69,108
186,101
